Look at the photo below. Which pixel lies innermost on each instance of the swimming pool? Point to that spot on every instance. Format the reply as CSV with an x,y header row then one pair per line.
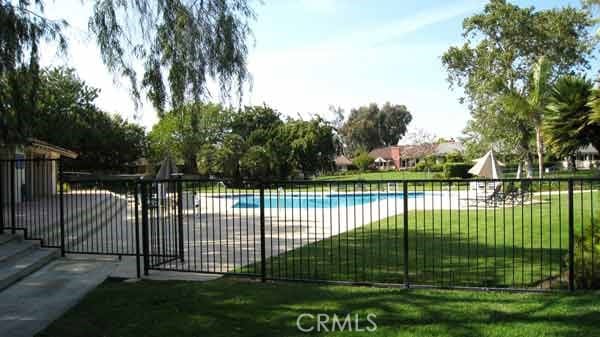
x,y
317,200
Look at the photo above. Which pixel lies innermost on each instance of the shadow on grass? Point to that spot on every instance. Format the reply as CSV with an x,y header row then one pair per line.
x,y
433,259
228,307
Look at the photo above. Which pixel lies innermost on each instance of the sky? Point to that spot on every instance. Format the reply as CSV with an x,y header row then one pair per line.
x,y
306,55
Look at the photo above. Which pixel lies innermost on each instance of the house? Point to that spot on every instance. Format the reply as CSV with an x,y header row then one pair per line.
x,y
386,158
342,163
586,157
445,148
30,170
401,157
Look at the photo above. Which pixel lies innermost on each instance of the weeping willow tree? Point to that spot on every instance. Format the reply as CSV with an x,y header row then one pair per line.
x,y
181,45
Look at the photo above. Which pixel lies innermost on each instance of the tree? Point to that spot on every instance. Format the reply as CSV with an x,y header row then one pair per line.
x,y
531,104
362,161
393,122
567,124
66,115
369,126
256,123
256,163
206,160
182,44
502,46
228,155
311,143
594,118
183,131
338,123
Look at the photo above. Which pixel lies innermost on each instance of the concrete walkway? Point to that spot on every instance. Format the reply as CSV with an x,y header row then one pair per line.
x,y
30,305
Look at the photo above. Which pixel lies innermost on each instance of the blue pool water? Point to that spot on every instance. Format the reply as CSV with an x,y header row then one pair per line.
x,y
316,201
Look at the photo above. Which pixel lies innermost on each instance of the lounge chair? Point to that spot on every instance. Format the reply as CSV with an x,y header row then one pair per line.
x,y
485,192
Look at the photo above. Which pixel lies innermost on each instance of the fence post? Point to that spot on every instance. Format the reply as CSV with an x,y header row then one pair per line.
x,y
405,237
145,243
13,215
61,189
179,184
263,257
137,229
2,225
571,237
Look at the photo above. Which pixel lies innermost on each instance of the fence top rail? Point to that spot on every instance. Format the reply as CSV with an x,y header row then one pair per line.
x,y
29,159
150,180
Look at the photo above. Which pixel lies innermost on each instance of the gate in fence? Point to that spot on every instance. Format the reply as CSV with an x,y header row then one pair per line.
x,y
506,233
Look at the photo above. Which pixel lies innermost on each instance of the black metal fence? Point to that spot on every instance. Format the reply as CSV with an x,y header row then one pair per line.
x,y
505,233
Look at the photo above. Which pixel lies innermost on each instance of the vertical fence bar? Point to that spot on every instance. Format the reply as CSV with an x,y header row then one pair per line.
x,y
179,187
405,216
61,189
137,228
571,237
13,216
2,224
263,257
145,239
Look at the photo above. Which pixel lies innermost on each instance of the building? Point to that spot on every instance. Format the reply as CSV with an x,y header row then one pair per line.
x,y
586,157
446,148
399,157
342,163
386,158
402,157
32,168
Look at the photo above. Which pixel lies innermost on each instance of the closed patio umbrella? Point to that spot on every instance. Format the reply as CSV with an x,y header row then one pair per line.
x,y
167,169
487,167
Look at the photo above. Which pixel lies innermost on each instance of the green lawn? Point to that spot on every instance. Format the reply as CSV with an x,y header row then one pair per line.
x,y
232,308
400,175
496,247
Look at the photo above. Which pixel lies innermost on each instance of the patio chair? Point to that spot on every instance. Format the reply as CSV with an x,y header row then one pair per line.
x,y
486,192
518,194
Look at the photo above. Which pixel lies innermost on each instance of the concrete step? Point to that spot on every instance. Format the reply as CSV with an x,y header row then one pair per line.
x,y
14,249
100,219
30,305
84,222
15,269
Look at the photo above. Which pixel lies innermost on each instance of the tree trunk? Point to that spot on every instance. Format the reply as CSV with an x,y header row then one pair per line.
x,y
572,163
528,166
191,164
539,143
519,170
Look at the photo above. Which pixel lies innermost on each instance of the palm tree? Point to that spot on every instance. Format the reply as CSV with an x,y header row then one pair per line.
x,y
532,103
594,120
567,120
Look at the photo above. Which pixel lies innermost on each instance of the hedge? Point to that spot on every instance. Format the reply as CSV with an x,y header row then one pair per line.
x,y
457,170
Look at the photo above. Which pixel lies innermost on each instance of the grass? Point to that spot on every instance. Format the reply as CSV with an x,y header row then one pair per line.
x,y
400,175
231,308
496,247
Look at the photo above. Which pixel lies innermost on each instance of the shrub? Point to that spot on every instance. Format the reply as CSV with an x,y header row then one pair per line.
x,y
362,161
428,164
454,157
587,257
457,170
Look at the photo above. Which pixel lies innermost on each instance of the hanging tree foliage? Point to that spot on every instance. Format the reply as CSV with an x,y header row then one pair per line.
x,y
182,44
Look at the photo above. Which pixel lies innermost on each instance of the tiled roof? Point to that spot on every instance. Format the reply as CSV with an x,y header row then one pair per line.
x,y
449,147
416,151
342,161
382,152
